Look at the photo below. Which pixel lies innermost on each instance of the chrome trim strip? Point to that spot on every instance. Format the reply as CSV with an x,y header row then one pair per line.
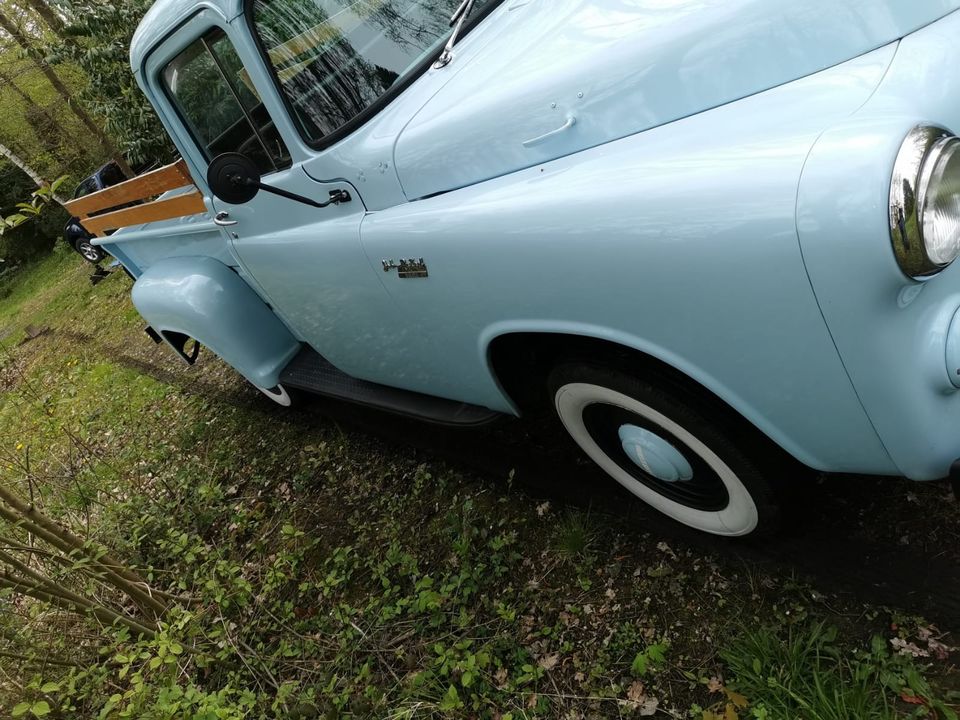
x,y
571,121
194,228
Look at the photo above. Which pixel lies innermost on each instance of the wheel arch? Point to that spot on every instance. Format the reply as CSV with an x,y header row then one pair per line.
x,y
521,359
203,299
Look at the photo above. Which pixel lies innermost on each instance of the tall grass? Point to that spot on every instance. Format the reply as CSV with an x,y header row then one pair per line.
x,y
804,676
801,673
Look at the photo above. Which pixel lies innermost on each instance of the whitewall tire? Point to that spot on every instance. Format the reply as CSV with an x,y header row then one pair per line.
x,y
279,394
664,449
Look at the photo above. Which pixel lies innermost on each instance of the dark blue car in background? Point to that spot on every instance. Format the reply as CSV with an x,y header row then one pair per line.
x,y
74,233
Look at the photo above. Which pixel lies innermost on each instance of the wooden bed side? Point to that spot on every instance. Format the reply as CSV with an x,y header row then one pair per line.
x,y
144,187
167,209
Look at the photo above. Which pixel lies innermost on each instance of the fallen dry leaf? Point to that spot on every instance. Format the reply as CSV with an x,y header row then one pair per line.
x,y
908,648
638,700
649,707
912,699
549,662
735,698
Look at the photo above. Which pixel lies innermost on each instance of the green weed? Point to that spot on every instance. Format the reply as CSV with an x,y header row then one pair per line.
x,y
576,534
808,675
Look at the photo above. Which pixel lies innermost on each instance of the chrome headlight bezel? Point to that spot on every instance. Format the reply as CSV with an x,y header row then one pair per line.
x,y
912,172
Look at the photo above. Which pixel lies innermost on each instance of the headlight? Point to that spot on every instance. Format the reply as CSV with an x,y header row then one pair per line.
x,y
925,201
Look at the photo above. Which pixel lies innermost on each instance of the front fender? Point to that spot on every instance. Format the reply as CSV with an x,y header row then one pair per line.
x,y
890,330
206,300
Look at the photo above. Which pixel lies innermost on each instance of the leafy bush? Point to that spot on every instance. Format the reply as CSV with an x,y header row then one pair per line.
x,y
31,239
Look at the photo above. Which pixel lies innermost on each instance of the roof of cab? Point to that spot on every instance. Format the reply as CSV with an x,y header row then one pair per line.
x,y
166,15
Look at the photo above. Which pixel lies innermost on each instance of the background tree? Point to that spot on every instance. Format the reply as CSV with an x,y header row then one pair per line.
x,y
44,125
95,37
32,50
36,123
50,17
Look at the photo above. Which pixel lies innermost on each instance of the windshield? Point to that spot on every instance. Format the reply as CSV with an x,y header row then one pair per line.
x,y
336,58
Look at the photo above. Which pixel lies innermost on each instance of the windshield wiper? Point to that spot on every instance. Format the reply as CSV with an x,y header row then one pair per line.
x,y
457,19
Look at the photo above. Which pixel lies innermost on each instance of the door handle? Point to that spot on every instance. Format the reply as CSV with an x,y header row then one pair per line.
x,y
571,121
223,220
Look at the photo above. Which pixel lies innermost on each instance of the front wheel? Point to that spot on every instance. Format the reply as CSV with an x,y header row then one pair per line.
x,y
666,448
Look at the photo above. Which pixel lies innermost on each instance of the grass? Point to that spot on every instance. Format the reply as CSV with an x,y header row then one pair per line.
x,y
804,673
576,534
341,575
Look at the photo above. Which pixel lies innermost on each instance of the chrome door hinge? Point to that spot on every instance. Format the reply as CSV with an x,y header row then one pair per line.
x,y
407,267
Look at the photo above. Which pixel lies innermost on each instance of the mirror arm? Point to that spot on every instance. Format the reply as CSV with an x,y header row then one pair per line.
x,y
336,196
235,179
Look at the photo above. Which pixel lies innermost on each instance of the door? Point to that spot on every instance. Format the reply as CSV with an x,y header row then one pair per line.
x,y
339,68
307,261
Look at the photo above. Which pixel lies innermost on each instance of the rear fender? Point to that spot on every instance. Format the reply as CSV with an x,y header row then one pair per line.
x,y
205,300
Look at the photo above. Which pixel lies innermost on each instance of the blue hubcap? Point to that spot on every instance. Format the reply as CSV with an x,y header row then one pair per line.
x,y
654,455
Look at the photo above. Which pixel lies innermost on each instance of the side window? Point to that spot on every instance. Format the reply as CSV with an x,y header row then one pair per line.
x,y
213,92
111,175
87,187
333,59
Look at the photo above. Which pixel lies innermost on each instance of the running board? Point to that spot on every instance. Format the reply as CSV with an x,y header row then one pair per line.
x,y
311,372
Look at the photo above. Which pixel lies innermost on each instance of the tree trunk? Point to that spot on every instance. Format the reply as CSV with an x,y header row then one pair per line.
x,y
6,80
44,134
50,17
22,164
10,155
13,31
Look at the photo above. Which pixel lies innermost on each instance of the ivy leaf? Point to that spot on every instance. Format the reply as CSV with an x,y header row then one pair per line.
x,y
41,709
451,701
50,687
657,653
639,665
21,709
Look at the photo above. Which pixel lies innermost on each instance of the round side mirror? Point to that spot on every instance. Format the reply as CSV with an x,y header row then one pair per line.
x,y
233,178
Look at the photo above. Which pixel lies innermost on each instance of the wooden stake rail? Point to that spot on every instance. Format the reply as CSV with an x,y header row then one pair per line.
x,y
145,187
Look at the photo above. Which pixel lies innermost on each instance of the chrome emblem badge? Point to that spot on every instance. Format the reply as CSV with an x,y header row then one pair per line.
x,y
407,268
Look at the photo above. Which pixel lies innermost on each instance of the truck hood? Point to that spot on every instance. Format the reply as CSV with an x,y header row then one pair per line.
x,y
599,70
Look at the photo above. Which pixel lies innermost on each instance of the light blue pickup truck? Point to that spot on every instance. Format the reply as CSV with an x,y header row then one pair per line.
x,y
706,233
